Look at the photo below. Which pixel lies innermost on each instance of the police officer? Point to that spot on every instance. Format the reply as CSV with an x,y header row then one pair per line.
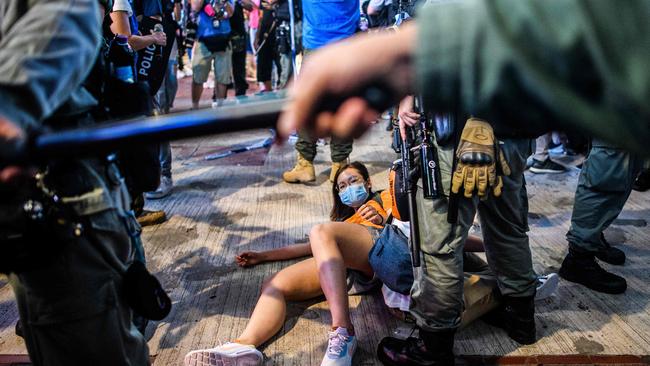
x,y
71,285
465,58
604,185
502,205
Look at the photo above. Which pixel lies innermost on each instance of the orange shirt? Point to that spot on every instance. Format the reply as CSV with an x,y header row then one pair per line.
x,y
386,202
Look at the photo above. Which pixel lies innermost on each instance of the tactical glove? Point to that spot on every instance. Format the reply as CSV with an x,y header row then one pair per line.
x,y
476,156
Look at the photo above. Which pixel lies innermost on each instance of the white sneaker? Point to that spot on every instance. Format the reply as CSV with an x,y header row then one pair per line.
x,y
164,189
546,285
227,354
340,348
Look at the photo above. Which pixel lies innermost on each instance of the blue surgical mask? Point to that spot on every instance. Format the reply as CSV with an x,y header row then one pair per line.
x,y
354,195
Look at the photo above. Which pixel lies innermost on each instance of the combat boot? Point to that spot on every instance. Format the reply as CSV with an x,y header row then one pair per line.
x,y
642,182
515,315
302,172
582,268
433,349
610,254
335,168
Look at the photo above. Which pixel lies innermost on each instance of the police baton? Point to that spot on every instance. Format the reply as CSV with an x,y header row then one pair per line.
x,y
238,114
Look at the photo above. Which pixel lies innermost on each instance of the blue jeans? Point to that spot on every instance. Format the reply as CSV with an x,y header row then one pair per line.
x,y
166,159
167,93
165,100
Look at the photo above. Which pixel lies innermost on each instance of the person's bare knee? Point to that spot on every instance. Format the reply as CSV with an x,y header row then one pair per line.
x,y
275,286
270,286
320,234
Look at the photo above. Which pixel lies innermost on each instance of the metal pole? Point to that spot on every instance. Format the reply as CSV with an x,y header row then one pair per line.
x,y
292,27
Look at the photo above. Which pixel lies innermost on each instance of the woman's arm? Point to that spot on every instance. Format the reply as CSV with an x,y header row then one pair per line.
x,y
249,259
196,5
230,9
247,4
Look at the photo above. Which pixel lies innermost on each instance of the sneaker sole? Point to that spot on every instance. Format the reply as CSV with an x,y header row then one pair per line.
x,y
603,289
546,171
548,288
152,196
213,358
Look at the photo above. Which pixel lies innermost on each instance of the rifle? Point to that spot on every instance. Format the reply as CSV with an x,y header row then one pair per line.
x,y
428,169
409,180
429,166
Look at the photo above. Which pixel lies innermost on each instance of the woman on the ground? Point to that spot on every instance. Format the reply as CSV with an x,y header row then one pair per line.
x,y
339,267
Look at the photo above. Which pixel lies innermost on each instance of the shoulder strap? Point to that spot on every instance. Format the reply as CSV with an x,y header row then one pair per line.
x,y
377,197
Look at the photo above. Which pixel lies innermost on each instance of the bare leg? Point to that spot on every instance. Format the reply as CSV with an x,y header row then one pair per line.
x,y
295,283
197,90
337,246
222,90
265,86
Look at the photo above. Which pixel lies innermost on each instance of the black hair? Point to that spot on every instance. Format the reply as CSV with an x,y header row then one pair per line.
x,y
341,211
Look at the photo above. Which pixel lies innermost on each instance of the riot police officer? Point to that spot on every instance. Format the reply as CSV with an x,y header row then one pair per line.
x,y
604,185
67,262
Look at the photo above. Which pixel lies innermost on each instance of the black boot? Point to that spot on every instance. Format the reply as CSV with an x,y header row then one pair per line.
x,y
440,344
610,254
413,351
515,315
19,329
582,268
642,182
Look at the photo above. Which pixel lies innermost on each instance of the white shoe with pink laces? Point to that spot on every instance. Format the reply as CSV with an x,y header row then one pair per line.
x,y
340,348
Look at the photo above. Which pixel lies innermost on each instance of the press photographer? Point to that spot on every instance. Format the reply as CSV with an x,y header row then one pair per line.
x,y
238,43
273,42
283,36
212,46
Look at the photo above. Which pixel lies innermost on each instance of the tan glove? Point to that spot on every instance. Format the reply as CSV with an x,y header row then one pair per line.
x,y
476,161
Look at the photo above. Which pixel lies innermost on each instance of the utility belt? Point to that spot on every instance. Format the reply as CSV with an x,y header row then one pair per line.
x,y
39,219
38,222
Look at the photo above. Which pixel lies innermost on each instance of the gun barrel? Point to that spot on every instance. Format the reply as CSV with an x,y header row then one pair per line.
x,y
415,232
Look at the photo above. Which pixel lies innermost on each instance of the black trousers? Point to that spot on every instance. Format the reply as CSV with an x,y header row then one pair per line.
x,y
265,58
239,72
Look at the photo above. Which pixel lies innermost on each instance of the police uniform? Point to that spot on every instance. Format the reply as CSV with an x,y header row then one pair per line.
x,y
72,308
524,67
604,186
438,288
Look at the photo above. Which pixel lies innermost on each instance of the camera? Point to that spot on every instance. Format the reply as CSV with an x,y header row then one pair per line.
x,y
216,10
283,37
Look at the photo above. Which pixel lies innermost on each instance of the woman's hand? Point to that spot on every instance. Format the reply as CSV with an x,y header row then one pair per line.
x,y
249,259
370,213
